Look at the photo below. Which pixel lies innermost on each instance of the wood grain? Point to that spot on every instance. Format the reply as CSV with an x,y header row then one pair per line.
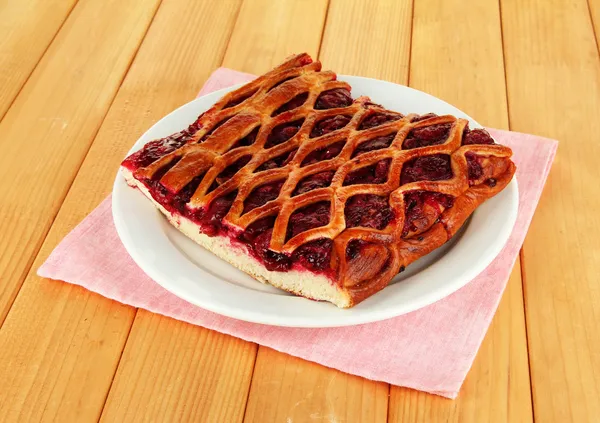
x,y
27,28
173,371
60,344
497,386
268,31
368,38
289,389
553,74
47,131
285,388
130,373
594,6
468,71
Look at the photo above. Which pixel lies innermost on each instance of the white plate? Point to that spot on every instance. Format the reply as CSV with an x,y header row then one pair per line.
x,y
194,274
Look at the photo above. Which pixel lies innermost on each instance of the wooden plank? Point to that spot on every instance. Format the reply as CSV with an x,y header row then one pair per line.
x,y
553,74
47,131
594,6
368,39
496,388
285,387
26,31
173,371
467,70
289,389
268,31
175,339
60,344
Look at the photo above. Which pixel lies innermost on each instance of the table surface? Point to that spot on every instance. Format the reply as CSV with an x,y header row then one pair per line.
x,y
81,80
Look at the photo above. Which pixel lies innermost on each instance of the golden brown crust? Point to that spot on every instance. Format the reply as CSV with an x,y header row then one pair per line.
x,y
387,250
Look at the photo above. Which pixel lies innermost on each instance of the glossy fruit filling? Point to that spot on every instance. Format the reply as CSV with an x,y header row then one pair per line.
x,y
262,195
326,153
283,132
474,166
277,162
329,124
476,136
426,136
422,208
294,103
314,255
154,150
436,167
377,119
332,99
369,211
258,241
248,139
230,171
376,143
374,174
314,181
308,217
419,118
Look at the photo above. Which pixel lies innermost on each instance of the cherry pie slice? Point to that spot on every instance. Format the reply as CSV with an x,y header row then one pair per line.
x,y
293,181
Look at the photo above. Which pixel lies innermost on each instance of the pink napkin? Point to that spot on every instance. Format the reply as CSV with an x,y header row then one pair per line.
x,y
430,349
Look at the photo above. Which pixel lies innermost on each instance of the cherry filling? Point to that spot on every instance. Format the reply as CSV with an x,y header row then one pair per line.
x,y
257,237
277,162
262,195
423,117
230,171
326,153
422,208
211,220
332,99
476,136
259,247
314,255
283,132
240,99
368,210
154,150
318,180
377,143
308,217
247,140
172,201
294,103
374,174
429,168
329,124
474,166
377,119
428,135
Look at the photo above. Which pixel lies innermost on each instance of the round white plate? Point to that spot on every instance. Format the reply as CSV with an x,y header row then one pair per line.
x,y
196,275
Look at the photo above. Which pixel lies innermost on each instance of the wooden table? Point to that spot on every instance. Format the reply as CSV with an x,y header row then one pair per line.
x,y
81,80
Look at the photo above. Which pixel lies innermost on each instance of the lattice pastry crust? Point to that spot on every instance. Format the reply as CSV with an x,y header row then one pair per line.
x,y
296,183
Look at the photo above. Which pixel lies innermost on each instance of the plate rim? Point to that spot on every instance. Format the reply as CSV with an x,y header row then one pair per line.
x,y
351,316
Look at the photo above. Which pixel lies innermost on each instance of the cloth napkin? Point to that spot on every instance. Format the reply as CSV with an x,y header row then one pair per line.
x,y
430,349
